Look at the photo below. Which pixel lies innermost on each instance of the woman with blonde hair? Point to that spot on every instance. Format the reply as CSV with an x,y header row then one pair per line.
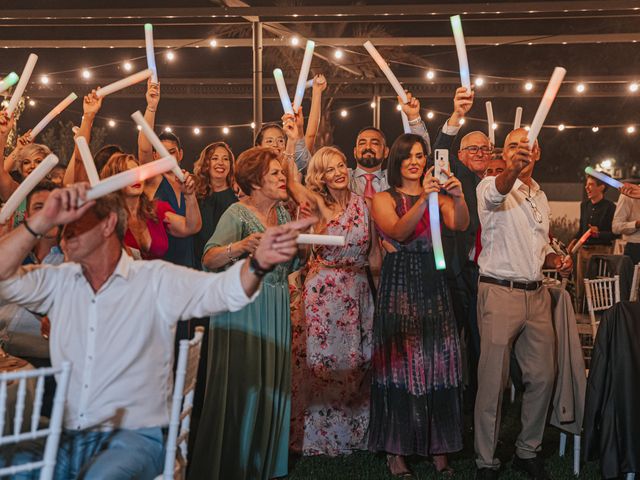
x,y
333,345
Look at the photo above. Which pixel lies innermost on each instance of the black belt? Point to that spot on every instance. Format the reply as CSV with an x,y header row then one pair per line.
x,y
508,283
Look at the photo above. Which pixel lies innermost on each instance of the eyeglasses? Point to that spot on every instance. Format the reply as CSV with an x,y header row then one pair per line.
x,y
536,213
473,149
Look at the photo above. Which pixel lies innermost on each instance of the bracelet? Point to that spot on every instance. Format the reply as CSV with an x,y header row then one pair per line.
x,y
38,236
257,269
231,259
415,121
289,155
152,111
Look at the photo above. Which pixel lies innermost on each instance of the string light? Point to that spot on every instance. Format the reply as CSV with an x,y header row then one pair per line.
x,y
494,126
86,73
372,104
479,81
430,75
295,40
225,130
430,115
127,66
595,129
399,107
631,129
606,163
170,56
343,113
580,88
44,79
253,125
527,128
138,127
196,131
561,127
168,129
32,103
111,123
633,87
462,121
338,54
213,43
528,86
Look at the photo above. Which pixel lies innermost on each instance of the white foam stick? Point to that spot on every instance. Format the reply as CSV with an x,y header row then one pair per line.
x,y
55,111
151,56
309,84
304,74
22,83
130,177
9,81
386,70
28,184
458,36
124,83
75,130
405,122
492,133
516,123
436,237
156,142
545,104
282,91
581,241
603,177
87,160
313,239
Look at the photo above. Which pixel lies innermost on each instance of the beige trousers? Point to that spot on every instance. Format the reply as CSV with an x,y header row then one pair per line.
x,y
520,319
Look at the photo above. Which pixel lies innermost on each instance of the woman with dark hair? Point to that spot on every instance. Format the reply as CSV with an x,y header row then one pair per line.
x,y
416,391
213,172
244,427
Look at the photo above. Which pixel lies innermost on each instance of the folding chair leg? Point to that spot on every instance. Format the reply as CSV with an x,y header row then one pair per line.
x,y
576,455
563,444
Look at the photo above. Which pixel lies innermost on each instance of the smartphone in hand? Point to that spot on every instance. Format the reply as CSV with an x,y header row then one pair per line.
x,y
441,162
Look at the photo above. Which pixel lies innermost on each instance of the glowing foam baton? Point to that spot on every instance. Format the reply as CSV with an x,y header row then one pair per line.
x,y
87,160
124,83
405,122
518,120
386,70
304,74
22,83
282,91
545,104
8,81
29,183
312,239
580,242
57,110
436,237
151,56
156,142
603,177
130,177
458,36
309,84
492,133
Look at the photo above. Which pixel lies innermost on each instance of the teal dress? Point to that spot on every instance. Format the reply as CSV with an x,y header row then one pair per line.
x,y
244,427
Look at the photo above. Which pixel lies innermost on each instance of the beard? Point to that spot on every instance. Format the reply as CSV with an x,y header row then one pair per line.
x,y
369,162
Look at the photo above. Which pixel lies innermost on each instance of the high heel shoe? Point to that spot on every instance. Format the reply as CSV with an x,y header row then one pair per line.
x,y
405,473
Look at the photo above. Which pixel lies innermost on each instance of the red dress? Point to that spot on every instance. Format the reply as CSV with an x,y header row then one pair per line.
x,y
158,232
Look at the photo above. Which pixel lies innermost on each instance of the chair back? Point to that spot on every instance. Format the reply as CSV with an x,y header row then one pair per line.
x,y
175,463
13,393
602,294
635,284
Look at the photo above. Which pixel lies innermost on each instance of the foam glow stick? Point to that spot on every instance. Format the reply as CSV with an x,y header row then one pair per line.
x,y
129,177
436,238
151,56
304,73
492,133
8,81
386,70
156,142
312,239
87,160
603,177
405,122
309,84
124,83
580,242
29,183
458,36
22,83
516,123
57,110
545,104
282,91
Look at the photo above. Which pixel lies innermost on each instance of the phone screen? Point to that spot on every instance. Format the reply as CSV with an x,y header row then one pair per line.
x,y
441,161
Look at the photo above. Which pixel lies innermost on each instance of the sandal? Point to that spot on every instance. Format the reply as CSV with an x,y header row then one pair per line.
x,y
402,474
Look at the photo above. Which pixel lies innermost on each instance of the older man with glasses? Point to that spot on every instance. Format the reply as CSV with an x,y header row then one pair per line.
x,y
514,308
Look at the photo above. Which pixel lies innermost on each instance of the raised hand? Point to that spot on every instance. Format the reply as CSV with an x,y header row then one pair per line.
x,y
91,103
462,103
61,208
430,183
522,158
189,185
250,243
630,190
411,108
152,95
319,83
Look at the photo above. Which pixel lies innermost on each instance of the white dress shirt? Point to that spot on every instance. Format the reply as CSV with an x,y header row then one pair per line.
x,y
120,340
514,243
625,218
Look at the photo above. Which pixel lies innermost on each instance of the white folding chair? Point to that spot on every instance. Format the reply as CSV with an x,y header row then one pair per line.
x,y
635,284
36,431
175,461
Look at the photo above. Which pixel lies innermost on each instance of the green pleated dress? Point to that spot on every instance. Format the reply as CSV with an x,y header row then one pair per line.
x,y
244,427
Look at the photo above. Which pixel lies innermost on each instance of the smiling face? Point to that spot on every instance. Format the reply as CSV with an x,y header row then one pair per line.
x,y
29,164
370,150
511,147
219,163
475,152
274,183
495,167
336,175
594,191
412,167
274,138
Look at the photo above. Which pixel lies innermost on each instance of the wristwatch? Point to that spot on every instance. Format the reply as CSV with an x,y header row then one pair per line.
x,y
256,268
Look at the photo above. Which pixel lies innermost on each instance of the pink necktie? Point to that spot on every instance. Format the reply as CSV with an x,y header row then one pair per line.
x,y
369,191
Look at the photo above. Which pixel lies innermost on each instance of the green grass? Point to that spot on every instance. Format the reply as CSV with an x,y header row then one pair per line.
x,y
369,466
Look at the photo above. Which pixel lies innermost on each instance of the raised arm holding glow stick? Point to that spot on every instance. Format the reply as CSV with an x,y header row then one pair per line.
x,y
603,178
282,91
29,183
124,83
405,122
458,36
313,239
156,142
492,133
8,81
518,120
545,104
304,74
580,242
22,83
57,110
151,56
87,160
386,70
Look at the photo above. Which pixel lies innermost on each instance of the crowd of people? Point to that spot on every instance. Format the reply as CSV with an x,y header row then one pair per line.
x,y
322,350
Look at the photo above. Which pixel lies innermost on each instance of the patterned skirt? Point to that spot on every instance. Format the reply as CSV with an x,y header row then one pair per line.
x,y
416,392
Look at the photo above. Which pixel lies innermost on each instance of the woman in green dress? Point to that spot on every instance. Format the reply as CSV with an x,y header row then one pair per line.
x,y
244,428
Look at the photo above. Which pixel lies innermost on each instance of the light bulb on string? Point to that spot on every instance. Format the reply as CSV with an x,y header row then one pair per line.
x,y
253,125
86,74
170,56
580,88
494,126
430,74
44,79
372,104
225,130
633,87
196,131
631,129
127,66
528,86
295,40
430,115
399,107
561,127
32,103
338,54
595,129
111,123
168,129
527,128
479,82
343,113
462,121
213,43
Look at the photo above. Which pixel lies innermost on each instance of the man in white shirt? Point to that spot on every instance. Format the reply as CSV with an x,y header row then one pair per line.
x,y
514,309
114,319
626,222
